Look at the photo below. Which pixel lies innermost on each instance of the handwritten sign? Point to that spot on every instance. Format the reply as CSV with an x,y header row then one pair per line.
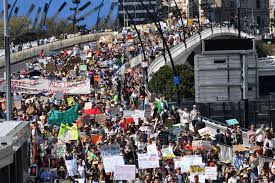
x,y
167,153
110,150
211,173
125,172
60,150
197,168
111,162
187,161
148,161
71,166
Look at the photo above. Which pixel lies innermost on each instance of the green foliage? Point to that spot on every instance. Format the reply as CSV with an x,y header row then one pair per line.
x,y
162,82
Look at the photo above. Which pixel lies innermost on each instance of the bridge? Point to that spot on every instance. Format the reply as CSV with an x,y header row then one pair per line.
x,y
57,45
180,53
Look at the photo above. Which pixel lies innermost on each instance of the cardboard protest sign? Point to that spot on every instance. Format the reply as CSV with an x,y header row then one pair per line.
x,y
211,173
71,166
50,67
152,149
111,162
239,148
125,172
197,168
148,161
85,118
60,150
70,101
140,113
189,160
177,162
128,114
110,150
100,118
30,110
167,153
67,133
17,104
83,68
201,144
204,131
96,138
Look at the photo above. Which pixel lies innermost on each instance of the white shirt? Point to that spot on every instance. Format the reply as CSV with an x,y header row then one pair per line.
x,y
260,137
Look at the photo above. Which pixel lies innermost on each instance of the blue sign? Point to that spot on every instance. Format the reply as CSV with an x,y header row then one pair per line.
x,y
232,122
176,80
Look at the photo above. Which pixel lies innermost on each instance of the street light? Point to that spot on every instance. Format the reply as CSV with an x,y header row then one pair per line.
x,y
157,24
46,13
7,62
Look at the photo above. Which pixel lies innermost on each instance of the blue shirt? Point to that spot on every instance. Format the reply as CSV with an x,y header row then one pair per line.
x,y
237,162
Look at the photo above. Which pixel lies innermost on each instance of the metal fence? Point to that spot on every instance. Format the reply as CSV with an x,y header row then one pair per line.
x,y
259,112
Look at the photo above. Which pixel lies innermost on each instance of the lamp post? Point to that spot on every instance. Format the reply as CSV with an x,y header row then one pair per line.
x,y
7,62
176,77
46,13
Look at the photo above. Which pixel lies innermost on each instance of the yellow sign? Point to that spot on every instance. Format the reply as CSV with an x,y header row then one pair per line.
x,y
190,22
197,169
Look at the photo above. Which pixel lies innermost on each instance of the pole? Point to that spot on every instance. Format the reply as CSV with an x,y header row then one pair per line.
x,y
124,16
7,62
165,43
48,7
183,29
12,9
245,88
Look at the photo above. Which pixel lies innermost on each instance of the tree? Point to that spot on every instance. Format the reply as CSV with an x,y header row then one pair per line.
x,y
162,82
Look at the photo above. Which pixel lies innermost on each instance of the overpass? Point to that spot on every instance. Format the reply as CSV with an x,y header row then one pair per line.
x,y
180,53
57,45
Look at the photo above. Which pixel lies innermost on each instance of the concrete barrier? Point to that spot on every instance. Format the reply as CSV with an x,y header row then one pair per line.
x,y
57,45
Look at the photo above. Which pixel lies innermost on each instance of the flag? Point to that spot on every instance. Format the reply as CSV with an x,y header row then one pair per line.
x,y
96,138
69,116
92,111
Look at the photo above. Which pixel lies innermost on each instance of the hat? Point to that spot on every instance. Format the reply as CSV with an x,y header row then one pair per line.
x,y
228,162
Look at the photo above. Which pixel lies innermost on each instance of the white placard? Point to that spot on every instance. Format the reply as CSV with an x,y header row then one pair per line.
x,y
211,173
110,163
190,160
71,166
125,172
148,161
152,149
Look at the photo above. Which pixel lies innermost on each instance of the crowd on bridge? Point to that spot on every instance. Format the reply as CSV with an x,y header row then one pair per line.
x,y
93,120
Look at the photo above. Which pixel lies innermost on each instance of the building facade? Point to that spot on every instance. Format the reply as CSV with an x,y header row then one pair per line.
x,y
137,11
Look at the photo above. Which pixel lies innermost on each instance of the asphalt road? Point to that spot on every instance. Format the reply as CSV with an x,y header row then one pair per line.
x,y
14,68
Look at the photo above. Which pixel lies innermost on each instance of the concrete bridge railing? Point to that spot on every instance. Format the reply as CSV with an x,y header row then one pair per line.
x,y
57,45
179,52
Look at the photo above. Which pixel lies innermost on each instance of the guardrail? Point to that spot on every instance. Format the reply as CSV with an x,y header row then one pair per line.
x,y
65,43
191,43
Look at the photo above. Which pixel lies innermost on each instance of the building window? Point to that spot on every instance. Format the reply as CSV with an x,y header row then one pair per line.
x,y
258,4
219,61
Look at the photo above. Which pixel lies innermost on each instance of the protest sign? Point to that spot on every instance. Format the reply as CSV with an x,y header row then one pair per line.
x,y
197,168
111,162
17,104
125,172
204,131
50,67
68,132
128,114
85,118
71,166
114,111
60,150
201,144
100,118
167,153
189,160
30,110
110,150
70,101
96,138
57,117
232,122
88,105
211,173
148,161
152,149
59,95
83,67
140,113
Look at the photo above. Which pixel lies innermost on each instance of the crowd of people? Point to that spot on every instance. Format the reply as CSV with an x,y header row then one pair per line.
x,y
118,131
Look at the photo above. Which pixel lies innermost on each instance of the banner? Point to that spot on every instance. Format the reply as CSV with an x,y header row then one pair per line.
x,y
69,116
148,161
110,150
111,162
211,173
125,172
60,150
67,132
47,86
71,166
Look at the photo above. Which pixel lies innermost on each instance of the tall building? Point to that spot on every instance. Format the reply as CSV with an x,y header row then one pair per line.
x,y
272,14
137,11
